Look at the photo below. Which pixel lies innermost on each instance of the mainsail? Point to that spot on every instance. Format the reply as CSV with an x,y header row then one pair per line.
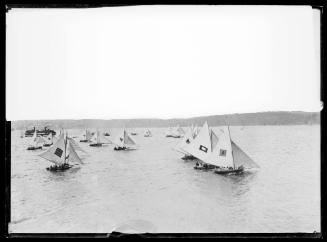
x,y
186,141
99,138
72,156
62,151
128,140
56,153
124,140
201,145
49,139
241,158
221,154
75,145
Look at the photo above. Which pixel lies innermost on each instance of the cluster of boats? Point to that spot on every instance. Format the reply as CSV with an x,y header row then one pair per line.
x,y
214,151
210,150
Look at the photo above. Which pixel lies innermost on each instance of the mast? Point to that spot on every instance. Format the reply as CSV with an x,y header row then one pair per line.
x,y
65,142
231,147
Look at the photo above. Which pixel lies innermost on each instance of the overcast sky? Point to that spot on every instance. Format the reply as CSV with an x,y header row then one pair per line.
x,y
160,61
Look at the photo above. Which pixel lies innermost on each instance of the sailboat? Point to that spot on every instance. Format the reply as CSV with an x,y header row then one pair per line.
x,y
62,154
86,136
227,156
124,142
219,152
202,146
99,140
186,141
49,140
38,141
106,134
147,133
176,132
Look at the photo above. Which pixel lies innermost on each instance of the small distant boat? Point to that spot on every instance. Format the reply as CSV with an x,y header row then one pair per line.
x,y
48,140
99,140
124,142
86,136
62,154
176,132
106,134
133,133
45,132
37,142
147,133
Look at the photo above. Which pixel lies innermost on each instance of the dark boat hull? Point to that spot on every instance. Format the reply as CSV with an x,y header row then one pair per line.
x,y
223,172
96,145
59,168
188,157
204,168
47,145
34,148
84,141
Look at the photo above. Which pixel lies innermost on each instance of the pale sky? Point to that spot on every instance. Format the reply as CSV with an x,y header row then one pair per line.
x,y
161,61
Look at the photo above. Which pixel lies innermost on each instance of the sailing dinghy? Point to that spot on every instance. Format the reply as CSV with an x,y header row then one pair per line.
x,y
49,140
124,142
86,136
99,140
176,132
38,141
62,154
228,157
147,133
219,152
186,141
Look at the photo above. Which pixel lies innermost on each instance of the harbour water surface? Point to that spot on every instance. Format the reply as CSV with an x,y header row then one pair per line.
x,y
152,190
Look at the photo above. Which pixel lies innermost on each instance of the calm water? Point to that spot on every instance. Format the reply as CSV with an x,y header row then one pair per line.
x,y
153,190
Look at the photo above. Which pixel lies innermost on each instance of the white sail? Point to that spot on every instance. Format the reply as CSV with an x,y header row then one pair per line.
x,y
128,140
75,145
147,133
186,141
88,135
201,145
221,154
34,136
49,138
102,139
180,130
56,153
241,158
39,140
72,156
119,140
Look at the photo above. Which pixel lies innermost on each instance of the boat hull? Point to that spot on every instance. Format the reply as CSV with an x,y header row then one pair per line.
x,y
59,168
84,141
188,157
223,172
123,148
47,145
35,148
96,145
